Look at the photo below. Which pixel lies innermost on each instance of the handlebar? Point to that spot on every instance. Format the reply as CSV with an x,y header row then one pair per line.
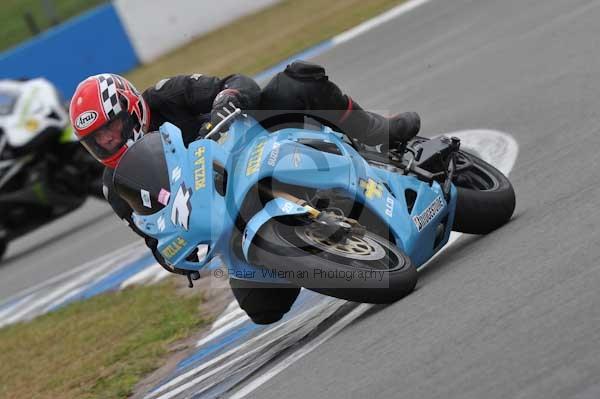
x,y
219,125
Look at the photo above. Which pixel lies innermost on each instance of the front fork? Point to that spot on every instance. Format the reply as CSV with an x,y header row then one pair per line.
x,y
337,227
333,225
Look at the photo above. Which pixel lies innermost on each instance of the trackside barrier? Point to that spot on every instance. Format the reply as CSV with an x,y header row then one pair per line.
x,y
156,27
91,43
117,37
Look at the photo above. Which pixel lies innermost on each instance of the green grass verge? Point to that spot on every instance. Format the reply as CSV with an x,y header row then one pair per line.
x,y
258,41
99,348
13,28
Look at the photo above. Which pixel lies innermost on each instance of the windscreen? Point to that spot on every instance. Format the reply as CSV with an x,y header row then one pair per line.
x,y
7,102
142,177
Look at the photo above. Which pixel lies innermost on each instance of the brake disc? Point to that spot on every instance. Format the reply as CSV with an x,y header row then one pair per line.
x,y
354,247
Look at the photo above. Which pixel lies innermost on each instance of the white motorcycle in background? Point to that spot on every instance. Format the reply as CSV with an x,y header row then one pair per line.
x,y
44,171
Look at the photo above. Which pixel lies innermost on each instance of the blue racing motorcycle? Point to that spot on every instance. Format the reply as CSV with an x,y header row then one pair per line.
x,y
308,208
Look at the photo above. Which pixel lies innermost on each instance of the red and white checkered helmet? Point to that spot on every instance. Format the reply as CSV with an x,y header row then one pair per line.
x,y
108,115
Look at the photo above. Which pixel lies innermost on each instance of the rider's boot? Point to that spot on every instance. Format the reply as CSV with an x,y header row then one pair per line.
x,y
373,129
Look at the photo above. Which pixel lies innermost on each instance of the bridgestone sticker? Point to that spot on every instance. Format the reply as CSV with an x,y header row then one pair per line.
x,y
422,220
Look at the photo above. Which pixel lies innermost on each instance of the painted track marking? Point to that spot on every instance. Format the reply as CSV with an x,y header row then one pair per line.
x,y
86,280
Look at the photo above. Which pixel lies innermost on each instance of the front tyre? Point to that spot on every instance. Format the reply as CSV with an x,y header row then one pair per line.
x,y
485,197
365,268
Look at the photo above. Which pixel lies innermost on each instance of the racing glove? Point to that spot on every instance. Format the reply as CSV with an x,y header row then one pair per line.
x,y
224,104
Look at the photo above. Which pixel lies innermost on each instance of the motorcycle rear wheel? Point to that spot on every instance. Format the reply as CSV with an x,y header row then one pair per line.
x,y
485,198
366,269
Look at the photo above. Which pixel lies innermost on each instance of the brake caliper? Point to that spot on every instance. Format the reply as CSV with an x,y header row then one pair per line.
x,y
336,227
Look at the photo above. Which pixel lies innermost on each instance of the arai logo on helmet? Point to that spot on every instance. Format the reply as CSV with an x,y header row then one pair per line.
x,y
86,119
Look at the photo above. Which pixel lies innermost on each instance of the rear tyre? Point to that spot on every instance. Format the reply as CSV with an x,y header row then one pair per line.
x,y
363,269
485,198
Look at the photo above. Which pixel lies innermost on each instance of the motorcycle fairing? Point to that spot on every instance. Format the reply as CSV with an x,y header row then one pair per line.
x,y
35,106
194,208
274,208
248,153
383,192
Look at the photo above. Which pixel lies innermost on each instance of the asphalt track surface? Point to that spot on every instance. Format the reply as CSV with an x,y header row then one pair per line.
x,y
514,314
511,314
84,235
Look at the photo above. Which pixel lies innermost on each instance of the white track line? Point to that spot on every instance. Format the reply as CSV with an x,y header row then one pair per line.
x,y
285,326
219,331
149,275
59,294
289,327
160,275
377,21
299,354
76,270
36,298
15,305
233,310
497,148
76,286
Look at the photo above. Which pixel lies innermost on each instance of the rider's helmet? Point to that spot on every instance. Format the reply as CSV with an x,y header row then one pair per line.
x,y
108,115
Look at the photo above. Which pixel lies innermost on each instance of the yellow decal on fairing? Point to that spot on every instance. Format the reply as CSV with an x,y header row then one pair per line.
x,y
32,125
255,159
173,248
199,169
372,188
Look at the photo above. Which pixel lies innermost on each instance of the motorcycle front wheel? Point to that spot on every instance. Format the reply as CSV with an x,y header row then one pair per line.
x,y
365,268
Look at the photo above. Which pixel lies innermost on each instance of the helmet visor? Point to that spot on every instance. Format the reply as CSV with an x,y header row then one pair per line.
x,y
107,140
